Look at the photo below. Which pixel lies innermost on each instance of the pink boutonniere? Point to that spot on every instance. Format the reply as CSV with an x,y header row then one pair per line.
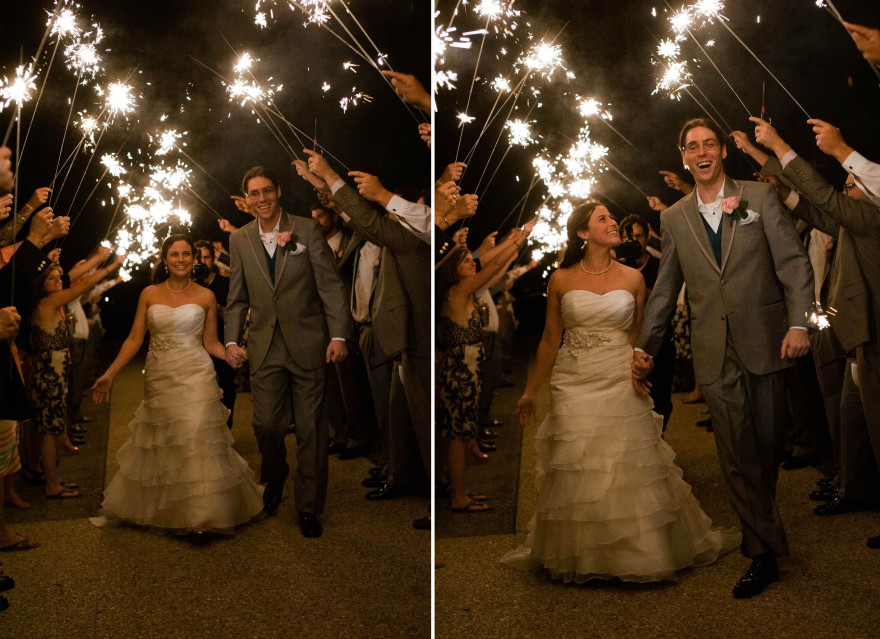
x,y
734,206
284,238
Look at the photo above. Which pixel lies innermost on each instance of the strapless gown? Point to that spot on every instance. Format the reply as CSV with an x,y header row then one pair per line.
x,y
178,470
610,500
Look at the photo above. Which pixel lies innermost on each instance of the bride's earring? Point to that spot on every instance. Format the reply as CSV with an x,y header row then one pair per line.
x,y
584,245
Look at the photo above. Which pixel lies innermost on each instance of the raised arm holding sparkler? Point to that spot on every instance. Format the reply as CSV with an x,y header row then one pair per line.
x,y
409,89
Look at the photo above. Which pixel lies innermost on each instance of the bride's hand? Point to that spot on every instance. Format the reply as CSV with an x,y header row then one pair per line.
x,y
101,389
525,409
642,386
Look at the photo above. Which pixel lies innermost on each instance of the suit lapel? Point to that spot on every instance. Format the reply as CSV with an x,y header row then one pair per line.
x,y
694,220
731,187
286,223
258,250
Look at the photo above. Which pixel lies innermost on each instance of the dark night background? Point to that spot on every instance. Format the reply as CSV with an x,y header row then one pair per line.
x,y
159,41
609,46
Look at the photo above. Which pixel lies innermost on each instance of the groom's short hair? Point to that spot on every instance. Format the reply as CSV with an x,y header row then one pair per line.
x,y
701,122
255,172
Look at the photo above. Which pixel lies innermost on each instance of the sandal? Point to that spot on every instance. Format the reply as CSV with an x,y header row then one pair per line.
x,y
68,484
22,544
473,506
64,493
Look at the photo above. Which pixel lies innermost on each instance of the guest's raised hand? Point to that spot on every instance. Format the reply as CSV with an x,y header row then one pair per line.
x,y
337,351
320,167
460,236
782,189
452,172
54,255
59,228
325,197
41,225
465,206
5,206
410,89
867,40
488,242
829,139
425,133
39,197
226,226
674,182
525,409
242,205
656,204
766,134
10,320
445,197
529,226
302,169
219,248
370,187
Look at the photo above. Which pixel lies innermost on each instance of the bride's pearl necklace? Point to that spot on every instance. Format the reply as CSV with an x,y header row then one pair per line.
x,y
584,268
181,290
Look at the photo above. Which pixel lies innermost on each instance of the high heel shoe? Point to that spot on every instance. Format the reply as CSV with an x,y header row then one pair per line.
x,y
477,455
67,446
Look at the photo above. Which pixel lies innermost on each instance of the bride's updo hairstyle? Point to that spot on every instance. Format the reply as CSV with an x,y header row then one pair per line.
x,y
160,272
579,220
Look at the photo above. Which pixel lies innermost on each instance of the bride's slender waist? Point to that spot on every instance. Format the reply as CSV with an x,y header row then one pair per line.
x,y
576,341
170,341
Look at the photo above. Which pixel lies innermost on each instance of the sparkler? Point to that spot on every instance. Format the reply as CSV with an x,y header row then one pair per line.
x,y
19,89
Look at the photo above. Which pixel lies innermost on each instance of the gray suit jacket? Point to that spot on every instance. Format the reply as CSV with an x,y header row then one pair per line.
x,y
402,314
307,299
763,286
853,299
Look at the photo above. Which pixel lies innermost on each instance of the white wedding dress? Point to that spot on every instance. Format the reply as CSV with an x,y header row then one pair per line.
x,y
178,470
610,501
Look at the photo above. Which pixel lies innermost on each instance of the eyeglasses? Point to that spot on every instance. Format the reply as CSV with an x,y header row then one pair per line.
x,y
255,195
708,145
849,186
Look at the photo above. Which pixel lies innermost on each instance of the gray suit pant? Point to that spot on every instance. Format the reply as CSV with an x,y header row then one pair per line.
x,y
278,384
868,360
858,469
749,416
417,384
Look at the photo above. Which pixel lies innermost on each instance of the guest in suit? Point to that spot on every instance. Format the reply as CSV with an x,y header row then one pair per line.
x,y
855,285
283,271
750,287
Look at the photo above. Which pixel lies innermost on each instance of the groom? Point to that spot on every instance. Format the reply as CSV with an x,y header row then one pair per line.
x,y
750,287
284,272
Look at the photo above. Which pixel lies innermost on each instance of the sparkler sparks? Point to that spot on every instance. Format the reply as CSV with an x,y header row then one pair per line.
x,y
668,49
519,133
165,141
63,24
119,98
464,118
545,58
18,90
114,166
675,78
501,84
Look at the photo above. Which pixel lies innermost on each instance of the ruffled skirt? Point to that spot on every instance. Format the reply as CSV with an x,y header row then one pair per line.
x,y
611,503
178,470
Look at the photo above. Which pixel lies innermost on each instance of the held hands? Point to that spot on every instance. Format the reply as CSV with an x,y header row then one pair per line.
x,y
10,320
236,356
796,343
337,351
642,365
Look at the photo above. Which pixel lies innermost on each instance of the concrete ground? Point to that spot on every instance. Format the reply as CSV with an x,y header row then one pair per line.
x,y
829,586
369,575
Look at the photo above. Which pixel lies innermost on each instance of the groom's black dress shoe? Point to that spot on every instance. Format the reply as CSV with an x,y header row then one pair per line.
x,y
824,494
387,491
839,507
4,603
309,525
760,574
272,496
6,583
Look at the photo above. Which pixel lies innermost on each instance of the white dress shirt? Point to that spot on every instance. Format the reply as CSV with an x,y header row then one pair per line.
x,y
711,211
268,239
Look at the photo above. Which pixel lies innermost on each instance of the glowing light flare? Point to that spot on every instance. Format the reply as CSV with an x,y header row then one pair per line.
x,y
244,63
544,58
519,133
675,78
18,90
114,166
682,21
63,24
501,84
119,98
445,79
83,59
354,99
708,9
464,118
668,49
166,141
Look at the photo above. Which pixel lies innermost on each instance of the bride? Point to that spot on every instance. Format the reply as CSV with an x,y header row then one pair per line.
x,y
611,504
178,470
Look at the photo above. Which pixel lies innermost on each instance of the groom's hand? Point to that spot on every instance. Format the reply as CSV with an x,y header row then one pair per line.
x,y
336,351
642,365
236,356
795,344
